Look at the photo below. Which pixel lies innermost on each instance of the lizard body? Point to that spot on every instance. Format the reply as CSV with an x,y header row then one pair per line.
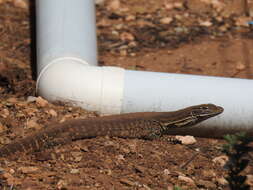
x,y
147,125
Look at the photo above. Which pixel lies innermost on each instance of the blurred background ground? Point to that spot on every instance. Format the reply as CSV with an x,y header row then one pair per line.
x,y
203,37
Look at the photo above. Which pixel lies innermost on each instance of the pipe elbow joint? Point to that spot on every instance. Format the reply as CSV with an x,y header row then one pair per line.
x,y
74,81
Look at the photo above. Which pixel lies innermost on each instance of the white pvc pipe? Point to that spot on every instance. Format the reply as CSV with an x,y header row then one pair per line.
x,y
65,28
67,71
150,91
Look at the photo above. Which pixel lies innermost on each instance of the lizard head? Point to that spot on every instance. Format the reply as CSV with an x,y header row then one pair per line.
x,y
205,111
190,116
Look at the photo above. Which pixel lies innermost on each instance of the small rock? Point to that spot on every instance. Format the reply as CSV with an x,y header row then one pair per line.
x,y
198,6
2,128
2,1
166,172
32,124
4,113
169,52
249,180
12,171
12,100
218,5
240,66
118,26
145,187
123,52
99,2
120,157
77,156
133,146
52,113
103,23
74,171
7,175
41,102
206,184
186,140
221,160
130,18
29,169
223,28
166,20
61,184
170,187
242,21
221,180
20,4
208,173
31,99
206,23
186,180
9,178
132,44
127,36
180,30
178,17
178,5
114,5
168,6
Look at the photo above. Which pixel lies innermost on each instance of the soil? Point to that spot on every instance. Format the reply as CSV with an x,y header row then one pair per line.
x,y
203,37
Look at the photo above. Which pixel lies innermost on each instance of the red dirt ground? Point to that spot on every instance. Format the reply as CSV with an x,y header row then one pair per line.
x,y
204,37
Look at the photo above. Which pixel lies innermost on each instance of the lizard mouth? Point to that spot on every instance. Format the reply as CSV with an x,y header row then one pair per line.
x,y
219,110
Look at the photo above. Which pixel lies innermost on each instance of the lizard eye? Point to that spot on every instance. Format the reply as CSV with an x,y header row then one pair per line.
x,y
200,111
204,108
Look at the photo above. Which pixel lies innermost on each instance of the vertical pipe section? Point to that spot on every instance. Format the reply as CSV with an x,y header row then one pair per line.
x,y
66,28
67,58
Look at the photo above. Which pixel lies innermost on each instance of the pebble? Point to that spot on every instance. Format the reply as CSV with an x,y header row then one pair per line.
x,y
120,157
114,5
206,184
52,113
74,171
178,5
240,66
4,113
31,99
29,169
32,124
41,102
186,140
2,128
221,160
221,180
127,36
206,23
99,2
130,18
9,178
249,180
20,4
166,172
186,180
166,20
